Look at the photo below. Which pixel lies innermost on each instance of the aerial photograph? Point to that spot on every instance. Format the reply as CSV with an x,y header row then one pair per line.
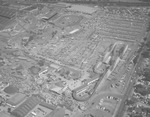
x,y
74,58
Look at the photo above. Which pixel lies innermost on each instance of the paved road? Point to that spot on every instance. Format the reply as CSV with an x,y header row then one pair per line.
x,y
121,107
99,3
128,91
106,3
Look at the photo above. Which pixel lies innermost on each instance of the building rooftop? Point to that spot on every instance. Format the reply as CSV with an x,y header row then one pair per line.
x,y
23,109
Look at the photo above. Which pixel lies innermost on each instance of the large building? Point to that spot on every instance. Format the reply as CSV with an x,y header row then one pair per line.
x,y
26,107
6,16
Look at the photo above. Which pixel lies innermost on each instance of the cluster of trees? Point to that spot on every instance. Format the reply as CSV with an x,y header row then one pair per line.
x,y
146,44
146,54
131,101
139,111
142,90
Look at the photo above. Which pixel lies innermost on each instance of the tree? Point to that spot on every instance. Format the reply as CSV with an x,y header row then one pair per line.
x,y
9,110
148,27
146,54
135,60
141,90
148,44
131,101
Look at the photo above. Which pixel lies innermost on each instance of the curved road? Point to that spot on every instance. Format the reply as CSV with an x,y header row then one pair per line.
x,y
90,93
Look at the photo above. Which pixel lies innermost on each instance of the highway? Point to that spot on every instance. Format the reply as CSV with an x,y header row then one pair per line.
x,y
119,113
121,107
109,3
96,2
